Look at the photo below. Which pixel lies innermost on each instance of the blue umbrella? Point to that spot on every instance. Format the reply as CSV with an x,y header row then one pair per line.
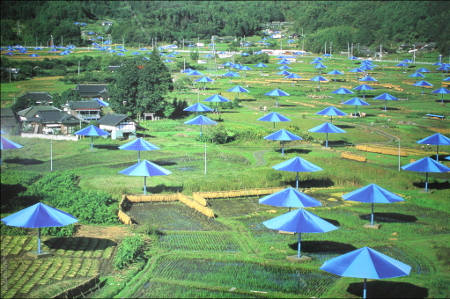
x,y
145,169
423,70
198,107
407,61
195,73
33,55
83,24
372,194
368,79
364,87
435,139
353,58
135,53
39,215
231,74
91,131
8,144
356,70
297,165
386,97
238,89
112,51
143,49
101,102
331,111
319,79
283,135
277,93
170,56
366,263
442,91
300,221
290,198
437,63
245,69
426,165
402,64
335,72
217,99
120,54
186,71
76,23
417,75
342,91
139,144
356,102
283,67
320,66
423,84
326,128
245,54
200,120
284,73
261,65
204,79
274,117
283,61
292,76
446,79
9,53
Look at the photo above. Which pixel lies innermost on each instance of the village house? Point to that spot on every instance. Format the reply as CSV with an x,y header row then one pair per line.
x,y
107,23
91,91
8,120
38,98
48,120
119,126
84,110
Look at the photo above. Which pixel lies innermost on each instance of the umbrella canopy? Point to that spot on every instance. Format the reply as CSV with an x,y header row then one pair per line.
x,y
91,131
37,216
442,91
342,91
423,70
331,111
368,79
386,97
145,169
372,194
423,84
435,139
261,65
417,75
364,87
291,198
446,79
277,93
320,66
274,117
283,67
292,76
204,79
335,72
238,89
326,128
139,144
319,79
217,99
300,221
245,69
195,73
231,74
297,165
426,165
198,107
356,102
283,135
200,120
366,263
8,144
101,102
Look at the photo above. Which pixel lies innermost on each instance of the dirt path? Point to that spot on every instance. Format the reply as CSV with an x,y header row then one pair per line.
x,y
104,232
259,158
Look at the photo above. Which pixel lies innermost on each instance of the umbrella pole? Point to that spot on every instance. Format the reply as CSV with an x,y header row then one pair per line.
x,y
139,156
145,185
364,292
426,182
326,144
274,126
39,241
299,240
296,183
437,153
355,109
282,147
92,143
371,216
200,130
332,119
385,105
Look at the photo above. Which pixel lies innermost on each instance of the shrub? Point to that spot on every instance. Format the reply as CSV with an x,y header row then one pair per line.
x,y
12,230
129,250
59,231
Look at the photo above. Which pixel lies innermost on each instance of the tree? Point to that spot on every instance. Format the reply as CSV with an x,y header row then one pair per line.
x,y
140,86
70,95
194,55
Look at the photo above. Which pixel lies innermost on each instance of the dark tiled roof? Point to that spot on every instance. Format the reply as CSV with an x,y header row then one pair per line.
x,y
54,117
32,111
90,88
112,119
38,97
84,105
7,112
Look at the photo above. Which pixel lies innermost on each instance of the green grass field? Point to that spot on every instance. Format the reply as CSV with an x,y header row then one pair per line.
x,y
197,257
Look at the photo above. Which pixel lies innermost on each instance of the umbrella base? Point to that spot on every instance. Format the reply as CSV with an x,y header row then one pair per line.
x,y
429,191
37,255
301,259
286,233
374,226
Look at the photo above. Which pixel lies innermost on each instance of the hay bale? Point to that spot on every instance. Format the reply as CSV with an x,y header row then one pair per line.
x,y
350,156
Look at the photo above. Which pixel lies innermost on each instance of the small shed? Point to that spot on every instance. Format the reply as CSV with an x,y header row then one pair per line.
x,y
8,119
120,126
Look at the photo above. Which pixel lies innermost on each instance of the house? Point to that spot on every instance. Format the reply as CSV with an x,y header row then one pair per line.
x,y
367,53
120,126
48,119
113,68
107,23
38,98
8,119
90,91
84,110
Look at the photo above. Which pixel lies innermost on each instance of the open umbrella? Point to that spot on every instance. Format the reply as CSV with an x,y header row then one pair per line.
x,y
342,91
366,263
423,84
91,131
335,72
101,102
37,216
300,221
139,144
326,128
372,194
290,198
353,58
426,165
435,139
320,66
238,89
297,165
402,64
276,93
368,79
231,74
364,87
446,79
200,120
422,70
217,99
356,70
145,169
319,79
417,75
386,97
292,76
356,102
283,135
442,91
284,67
245,69
274,117
198,107
331,111
8,144
204,79
261,65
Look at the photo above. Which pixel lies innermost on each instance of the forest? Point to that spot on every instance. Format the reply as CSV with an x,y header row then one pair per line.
x,y
369,23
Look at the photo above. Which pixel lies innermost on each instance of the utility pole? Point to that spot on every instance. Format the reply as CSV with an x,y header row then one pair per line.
x,y
325,48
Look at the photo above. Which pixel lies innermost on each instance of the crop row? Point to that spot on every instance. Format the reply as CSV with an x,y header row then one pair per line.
x,y
22,276
246,275
200,242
